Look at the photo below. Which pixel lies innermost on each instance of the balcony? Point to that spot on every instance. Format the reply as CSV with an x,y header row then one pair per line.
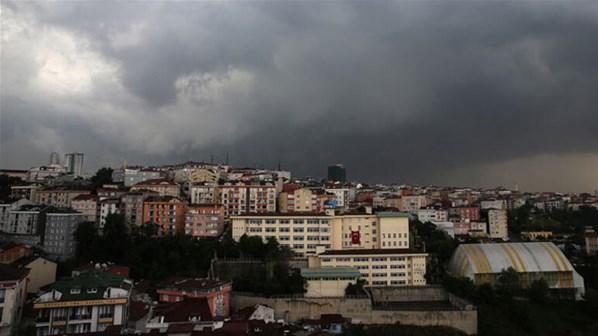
x,y
59,318
42,319
80,317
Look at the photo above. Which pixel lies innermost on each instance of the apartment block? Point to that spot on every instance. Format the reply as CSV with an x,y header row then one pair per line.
x,y
87,303
132,206
204,220
161,186
432,215
13,292
204,193
167,212
58,197
241,198
87,205
59,241
497,224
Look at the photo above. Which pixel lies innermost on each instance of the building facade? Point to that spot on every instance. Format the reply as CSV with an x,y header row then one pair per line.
x,y
216,292
13,293
242,198
58,197
161,186
378,267
497,224
59,240
303,232
87,303
167,212
204,220
86,205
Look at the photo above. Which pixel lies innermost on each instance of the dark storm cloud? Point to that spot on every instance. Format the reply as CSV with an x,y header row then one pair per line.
x,y
398,91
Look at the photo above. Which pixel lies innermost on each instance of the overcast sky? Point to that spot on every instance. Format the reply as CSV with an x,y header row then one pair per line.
x,y
444,92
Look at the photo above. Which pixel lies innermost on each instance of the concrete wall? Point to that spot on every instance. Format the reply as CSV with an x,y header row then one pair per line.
x,y
465,320
360,310
408,294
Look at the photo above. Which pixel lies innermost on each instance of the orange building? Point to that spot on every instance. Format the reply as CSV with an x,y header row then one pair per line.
x,y
167,212
215,291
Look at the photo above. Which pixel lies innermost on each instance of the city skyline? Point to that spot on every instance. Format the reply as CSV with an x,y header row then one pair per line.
x,y
477,94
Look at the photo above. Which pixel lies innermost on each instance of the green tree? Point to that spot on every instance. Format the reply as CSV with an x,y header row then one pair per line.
x,y
85,235
116,236
538,291
102,176
508,283
356,288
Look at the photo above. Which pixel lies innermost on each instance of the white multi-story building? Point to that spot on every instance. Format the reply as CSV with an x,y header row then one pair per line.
x,y
204,193
432,215
378,267
241,198
304,232
497,224
341,195
132,176
107,207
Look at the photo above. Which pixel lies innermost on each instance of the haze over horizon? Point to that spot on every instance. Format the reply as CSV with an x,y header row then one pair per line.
x,y
448,93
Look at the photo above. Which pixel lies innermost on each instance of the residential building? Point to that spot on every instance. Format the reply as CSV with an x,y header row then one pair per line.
x,y
59,240
10,252
7,208
378,267
483,263
42,173
497,224
536,235
341,196
13,292
108,206
329,281
28,219
132,176
591,242
204,220
216,292
432,215
87,303
161,186
167,212
58,197
132,206
337,173
296,199
24,191
110,191
74,163
42,271
246,198
413,203
204,193
183,318
471,214
493,204
87,205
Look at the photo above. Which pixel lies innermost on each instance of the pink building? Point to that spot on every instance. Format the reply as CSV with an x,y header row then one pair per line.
x,y
204,220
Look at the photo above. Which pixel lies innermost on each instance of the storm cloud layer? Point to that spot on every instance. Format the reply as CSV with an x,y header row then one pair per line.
x,y
476,93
